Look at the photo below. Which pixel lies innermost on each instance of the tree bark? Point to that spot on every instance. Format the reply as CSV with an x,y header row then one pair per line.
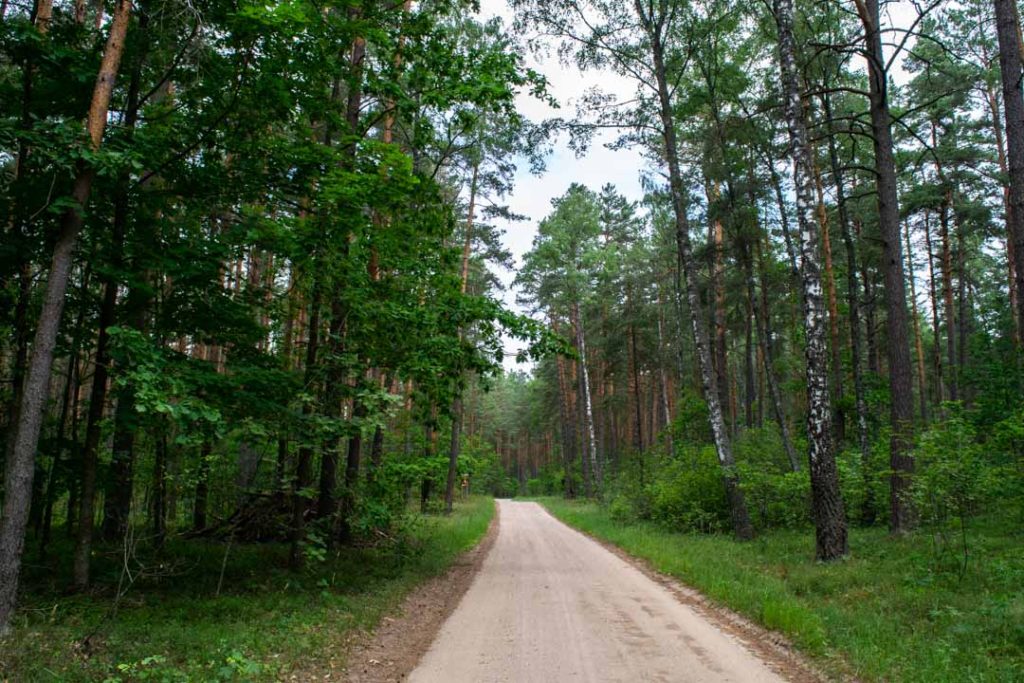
x,y
1011,251
833,311
457,411
853,292
67,405
117,502
940,390
663,372
159,520
826,498
304,463
353,459
1008,33
568,445
41,17
586,408
947,296
655,30
901,461
20,467
922,381
720,358
200,503
764,335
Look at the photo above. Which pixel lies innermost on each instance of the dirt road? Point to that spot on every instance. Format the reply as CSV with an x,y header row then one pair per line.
x,y
550,604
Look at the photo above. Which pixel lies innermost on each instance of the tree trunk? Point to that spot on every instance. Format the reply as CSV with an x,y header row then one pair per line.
x,y
1008,32
457,412
67,405
568,447
200,503
871,318
327,499
764,335
663,373
638,434
304,463
853,303
740,517
1011,251
947,297
120,482
353,459
940,390
901,461
159,524
717,287
826,499
90,451
586,408
41,16
453,455
20,468
833,311
964,312
748,353
922,386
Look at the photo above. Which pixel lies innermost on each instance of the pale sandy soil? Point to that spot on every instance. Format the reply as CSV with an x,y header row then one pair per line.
x,y
550,604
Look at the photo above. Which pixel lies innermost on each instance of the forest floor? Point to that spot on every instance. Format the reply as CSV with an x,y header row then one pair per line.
x,y
263,623
899,609
550,604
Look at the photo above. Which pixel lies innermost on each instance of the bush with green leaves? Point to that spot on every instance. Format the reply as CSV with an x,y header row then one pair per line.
x,y
1005,447
686,493
776,499
953,479
953,476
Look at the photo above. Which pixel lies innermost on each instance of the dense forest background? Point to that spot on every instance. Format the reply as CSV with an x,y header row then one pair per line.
x,y
818,305
251,267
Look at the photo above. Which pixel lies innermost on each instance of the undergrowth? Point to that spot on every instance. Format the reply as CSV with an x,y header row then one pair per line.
x,y
204,618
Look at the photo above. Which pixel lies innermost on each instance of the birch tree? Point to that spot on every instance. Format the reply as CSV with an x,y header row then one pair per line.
x,y
827,502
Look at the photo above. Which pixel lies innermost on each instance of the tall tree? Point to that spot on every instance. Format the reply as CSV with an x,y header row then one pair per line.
x,y
901,392
827,502
20,468
1008,32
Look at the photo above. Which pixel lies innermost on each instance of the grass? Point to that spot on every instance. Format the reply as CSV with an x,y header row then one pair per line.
x,y
265,623
896,610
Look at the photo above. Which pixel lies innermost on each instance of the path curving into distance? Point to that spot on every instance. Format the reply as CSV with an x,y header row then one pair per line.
x,y
550,604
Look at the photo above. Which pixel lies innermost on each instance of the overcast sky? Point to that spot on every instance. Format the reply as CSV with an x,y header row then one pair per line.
x,y
532,194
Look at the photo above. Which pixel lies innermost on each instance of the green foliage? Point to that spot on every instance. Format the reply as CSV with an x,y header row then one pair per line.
x,y
549,482
485,471
687,493
690,424
265,624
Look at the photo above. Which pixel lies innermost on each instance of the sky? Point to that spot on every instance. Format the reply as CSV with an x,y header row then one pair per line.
x,y
532,195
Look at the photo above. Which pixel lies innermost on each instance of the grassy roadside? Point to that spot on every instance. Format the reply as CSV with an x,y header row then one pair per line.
x,y
889,613
264,624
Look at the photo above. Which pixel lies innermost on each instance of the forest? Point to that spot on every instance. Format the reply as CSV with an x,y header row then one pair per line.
x,y
256,312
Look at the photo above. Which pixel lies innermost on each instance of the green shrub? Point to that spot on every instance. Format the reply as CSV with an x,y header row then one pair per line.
x,y
951,482
687,493
776,499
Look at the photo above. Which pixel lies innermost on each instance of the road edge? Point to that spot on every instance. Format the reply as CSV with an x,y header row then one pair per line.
x,y
395,647
770,646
